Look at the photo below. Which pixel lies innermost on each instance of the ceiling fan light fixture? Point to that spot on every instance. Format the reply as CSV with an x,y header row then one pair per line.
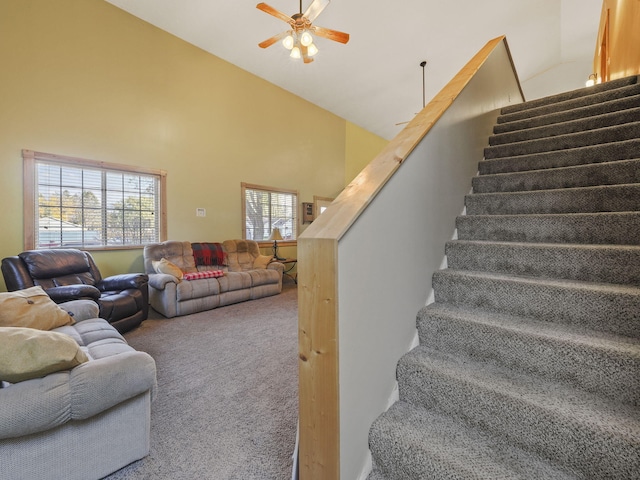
x,y
300,37
306,39
288,42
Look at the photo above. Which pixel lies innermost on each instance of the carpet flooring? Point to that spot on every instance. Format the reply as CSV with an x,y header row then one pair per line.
x,y
227,402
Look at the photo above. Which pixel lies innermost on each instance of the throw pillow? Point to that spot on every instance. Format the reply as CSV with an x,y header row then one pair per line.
x,y
27,353
261,261
205,274
31,308
165,266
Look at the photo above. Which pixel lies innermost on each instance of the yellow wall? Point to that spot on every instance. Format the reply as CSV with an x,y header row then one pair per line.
x,y
85,79
623,39
362,147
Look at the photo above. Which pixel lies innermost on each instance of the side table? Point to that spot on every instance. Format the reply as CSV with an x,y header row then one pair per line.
x,y
289,264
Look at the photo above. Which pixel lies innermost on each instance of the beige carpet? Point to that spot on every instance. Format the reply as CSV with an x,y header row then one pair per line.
x,y
227,402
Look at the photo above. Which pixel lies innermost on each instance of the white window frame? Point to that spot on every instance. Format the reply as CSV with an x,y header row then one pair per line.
x,y
32,159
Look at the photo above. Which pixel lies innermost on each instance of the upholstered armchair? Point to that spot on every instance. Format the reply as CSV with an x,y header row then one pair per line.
x,y
69,274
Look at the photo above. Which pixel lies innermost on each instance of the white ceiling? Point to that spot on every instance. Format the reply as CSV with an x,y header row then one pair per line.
x,y
375,81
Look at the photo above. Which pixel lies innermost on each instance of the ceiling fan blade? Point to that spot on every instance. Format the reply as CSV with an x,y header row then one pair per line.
x,y
305,54
272,11
316,8
334,35
270,41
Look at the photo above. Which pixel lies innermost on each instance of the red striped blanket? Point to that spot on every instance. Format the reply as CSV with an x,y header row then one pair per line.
x,y
207,274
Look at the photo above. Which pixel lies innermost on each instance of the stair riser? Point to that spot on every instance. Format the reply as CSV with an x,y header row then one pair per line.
x,y
610,173
607,152
619,265
574,140
632,101
561,438
565,128
599,229
594,308
567,101
596,370
624,198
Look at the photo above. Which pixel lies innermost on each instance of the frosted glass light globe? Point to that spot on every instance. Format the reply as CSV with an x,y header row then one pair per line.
x,y
288,42
306,39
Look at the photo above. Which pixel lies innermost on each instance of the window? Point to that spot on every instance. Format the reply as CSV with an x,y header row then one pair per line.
x,y
78,203
321,204
266,208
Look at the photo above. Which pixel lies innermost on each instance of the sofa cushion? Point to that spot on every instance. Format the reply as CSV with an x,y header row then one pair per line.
x,y
203,287
178,253
261,261
241,254
165,266
31,308
27,353
234,281
92,333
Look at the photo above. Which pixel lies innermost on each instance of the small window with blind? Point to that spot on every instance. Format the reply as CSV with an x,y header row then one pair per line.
x,y
79,203
266,209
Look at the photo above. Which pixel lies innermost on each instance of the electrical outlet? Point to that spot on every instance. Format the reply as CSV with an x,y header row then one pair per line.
x,y
201,212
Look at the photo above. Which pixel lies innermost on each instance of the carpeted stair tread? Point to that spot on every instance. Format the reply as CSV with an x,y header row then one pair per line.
x,y
567,425
605,173
600,363
598,306
376,475
605,198
617,228
573,126
590,263
606,152
567,101
631,101
412,443
616,133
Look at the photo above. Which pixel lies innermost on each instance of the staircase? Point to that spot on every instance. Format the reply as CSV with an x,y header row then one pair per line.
x,y
529,360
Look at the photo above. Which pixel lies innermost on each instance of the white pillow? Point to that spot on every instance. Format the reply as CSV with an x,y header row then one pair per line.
x,y
165,266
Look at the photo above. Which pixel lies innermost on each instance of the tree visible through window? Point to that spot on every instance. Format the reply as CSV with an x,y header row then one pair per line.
x,y
266,208
83,204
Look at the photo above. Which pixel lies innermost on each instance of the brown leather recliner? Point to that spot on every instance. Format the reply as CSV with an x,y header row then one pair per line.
x,y
68,274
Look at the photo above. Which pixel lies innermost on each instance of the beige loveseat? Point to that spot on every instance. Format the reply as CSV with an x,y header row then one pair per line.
x,y
89,415
246,275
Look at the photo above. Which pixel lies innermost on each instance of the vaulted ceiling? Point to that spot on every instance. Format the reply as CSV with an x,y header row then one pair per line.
x,y
375,81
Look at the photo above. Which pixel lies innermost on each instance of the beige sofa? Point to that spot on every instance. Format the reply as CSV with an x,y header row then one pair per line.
x,y
246,277
81,423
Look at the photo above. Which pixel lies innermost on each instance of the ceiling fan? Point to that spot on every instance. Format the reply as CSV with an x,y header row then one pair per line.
x,y
299,39
422,64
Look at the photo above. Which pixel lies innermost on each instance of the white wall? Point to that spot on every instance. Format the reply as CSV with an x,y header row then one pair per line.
x,y
388,256
574,75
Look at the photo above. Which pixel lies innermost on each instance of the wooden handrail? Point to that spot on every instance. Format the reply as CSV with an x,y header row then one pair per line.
x,y
318,282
